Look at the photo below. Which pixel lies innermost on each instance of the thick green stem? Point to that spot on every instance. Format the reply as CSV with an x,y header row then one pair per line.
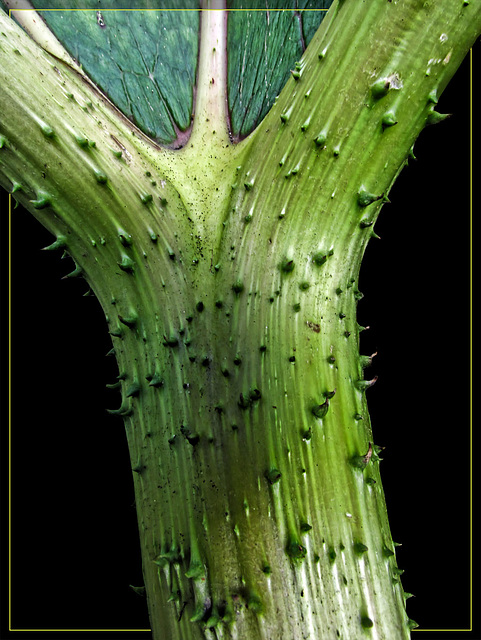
x,y
228,275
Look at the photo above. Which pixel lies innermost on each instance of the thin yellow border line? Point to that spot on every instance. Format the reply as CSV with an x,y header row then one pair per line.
x,y
470,364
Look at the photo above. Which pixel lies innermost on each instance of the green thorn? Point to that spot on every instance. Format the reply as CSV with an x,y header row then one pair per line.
x,y
412,624
156,380
361,462
320,258
146,198
47,131
295,550
212,622
3,142
359,548
115,385
75,273
238,287
82,142
125,409
273,475
363,385
320,141
127,264
365,198
171,341
305,126
380,88
125,239
100,176
287,266
43,200
195,570
198,613
388,119
140,591
129,321
60,243
320,410
434,117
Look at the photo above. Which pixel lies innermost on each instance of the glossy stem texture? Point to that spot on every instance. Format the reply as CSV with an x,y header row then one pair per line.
x,y
228,276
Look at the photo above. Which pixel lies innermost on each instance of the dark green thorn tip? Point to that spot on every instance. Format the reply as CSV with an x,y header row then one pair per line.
x,y
146,198
3,142
133,389
366,622
412,624
273,475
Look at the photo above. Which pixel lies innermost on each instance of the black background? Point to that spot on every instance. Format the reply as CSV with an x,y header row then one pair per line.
x,y
74,531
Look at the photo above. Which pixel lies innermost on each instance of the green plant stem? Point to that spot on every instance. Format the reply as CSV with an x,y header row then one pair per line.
x,y
228,275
